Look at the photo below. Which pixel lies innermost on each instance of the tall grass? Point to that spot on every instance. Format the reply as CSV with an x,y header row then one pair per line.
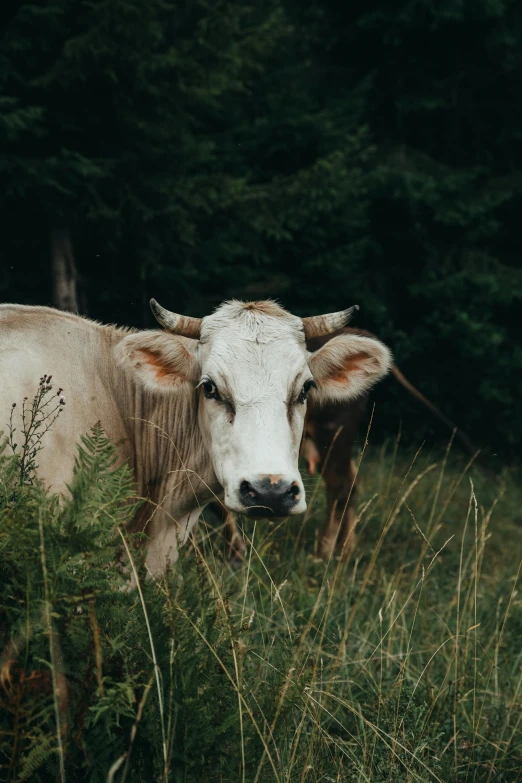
x,y
402,664
410,654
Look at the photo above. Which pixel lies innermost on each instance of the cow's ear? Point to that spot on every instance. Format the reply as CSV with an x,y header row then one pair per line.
x,y
159,360
348,366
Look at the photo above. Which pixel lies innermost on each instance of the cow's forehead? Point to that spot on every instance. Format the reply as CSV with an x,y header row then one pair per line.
x,y
259,322
244,344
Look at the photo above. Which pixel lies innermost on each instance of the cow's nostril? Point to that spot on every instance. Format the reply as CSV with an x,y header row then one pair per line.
x,y
294,490
246,488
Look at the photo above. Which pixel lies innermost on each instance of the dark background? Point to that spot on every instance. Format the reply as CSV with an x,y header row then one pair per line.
x,y
322,153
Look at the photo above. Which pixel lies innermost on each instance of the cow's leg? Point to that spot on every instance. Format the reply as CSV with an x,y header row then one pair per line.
x,y
348,510
339,531
236,542
236,547
165,538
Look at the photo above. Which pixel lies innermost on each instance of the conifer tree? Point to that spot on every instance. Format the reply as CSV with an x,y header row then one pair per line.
x,y
322,154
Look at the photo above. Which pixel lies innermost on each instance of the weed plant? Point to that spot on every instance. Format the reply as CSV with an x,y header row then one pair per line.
x,y
403,664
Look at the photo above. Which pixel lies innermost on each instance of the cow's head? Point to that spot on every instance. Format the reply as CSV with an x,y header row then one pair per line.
x,y
249,365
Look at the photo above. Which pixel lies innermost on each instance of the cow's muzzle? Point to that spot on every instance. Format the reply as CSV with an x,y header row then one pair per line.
x,y
271,496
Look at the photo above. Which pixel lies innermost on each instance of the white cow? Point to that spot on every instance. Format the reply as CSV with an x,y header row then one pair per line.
x,y
210,407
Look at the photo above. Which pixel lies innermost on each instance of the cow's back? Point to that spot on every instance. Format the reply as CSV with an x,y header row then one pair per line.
x,y
77,353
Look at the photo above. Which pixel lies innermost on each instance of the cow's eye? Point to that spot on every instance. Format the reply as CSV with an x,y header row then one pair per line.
x,y
303,394
210,390
211,393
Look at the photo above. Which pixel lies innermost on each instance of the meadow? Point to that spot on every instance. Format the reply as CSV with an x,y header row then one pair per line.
x,y
402,664
321,154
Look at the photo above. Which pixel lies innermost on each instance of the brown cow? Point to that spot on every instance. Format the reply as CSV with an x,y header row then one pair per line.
x,y
329,435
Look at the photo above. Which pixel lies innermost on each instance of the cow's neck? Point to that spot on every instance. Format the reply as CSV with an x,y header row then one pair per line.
x,y
172,467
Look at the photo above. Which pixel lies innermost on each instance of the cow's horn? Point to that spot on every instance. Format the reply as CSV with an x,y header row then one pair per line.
x,y
177,324
318,325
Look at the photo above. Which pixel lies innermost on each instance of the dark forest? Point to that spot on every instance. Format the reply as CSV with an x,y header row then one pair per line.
x,y
322,154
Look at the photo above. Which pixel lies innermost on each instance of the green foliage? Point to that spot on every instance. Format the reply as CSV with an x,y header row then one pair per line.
x,y
402,665
322,153
55,560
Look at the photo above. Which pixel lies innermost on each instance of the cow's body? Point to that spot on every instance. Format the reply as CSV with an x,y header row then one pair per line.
x,y
331,431
158,435
194,418
330,435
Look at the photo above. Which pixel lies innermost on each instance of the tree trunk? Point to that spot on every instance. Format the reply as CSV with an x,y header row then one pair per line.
x,y
64,273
